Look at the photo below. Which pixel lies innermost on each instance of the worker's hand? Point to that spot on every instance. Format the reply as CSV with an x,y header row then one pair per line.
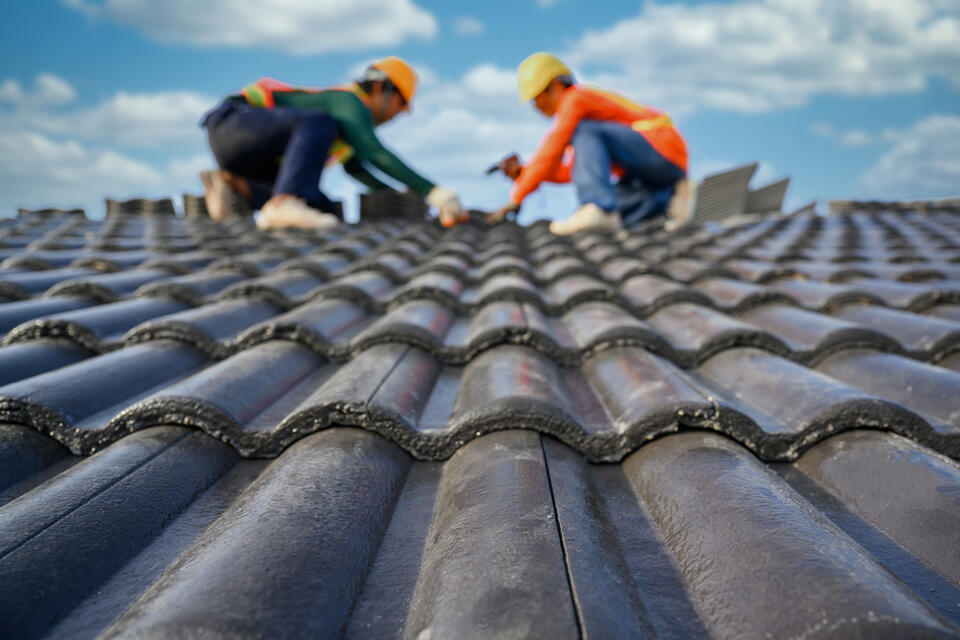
x,y
448,206
501,213
511,167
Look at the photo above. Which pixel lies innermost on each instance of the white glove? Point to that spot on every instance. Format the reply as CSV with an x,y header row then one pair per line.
x,y
447,203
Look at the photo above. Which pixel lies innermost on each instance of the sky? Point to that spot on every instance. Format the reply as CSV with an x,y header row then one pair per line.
x,y
849,98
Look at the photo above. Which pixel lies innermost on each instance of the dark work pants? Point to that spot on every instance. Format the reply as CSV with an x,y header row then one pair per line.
x,y
280,150
647,185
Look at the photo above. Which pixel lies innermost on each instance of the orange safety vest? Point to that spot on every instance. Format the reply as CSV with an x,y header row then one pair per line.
x,y
261,94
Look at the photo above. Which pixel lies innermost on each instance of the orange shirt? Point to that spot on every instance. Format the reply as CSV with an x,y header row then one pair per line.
x,y
553,159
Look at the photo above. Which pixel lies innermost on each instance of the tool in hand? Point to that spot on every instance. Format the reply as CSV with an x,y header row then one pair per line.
x,y
510,166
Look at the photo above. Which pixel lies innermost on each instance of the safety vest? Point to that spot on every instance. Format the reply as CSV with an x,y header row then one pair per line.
x,y
643,124
261,94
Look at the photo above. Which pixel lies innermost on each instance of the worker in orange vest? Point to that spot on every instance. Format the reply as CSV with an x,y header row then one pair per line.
x,y
273,140
597,135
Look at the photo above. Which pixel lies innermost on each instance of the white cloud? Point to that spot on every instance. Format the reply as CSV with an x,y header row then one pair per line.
x,y
51,90
184,172
48,90
10,91
922,163
52,154
468,26
848,138
762,55
133,119
124,120
294,26
38,171
487,80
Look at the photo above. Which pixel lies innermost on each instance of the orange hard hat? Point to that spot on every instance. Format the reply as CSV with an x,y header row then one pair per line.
x,y
401,74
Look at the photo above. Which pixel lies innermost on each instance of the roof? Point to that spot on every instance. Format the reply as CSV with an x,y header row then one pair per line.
x,y
393,430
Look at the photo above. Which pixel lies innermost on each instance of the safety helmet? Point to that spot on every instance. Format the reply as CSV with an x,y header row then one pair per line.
x,y
536,72
401,74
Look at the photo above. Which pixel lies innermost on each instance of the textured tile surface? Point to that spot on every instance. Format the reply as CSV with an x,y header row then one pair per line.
x,y
779,401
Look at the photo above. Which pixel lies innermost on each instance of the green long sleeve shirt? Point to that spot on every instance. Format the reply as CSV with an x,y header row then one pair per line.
x,y
357,130
360,173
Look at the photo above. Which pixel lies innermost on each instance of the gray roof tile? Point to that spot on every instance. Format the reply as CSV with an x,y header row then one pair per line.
x,y
777,400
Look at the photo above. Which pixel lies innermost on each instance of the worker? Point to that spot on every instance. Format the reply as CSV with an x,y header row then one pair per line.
x,y
272,142
596,136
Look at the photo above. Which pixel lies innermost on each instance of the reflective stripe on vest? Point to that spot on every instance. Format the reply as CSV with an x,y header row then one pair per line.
x,y
651,123
644,124
260,94
338,153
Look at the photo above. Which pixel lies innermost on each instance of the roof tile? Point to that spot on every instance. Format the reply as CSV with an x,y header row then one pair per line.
x,y
777,398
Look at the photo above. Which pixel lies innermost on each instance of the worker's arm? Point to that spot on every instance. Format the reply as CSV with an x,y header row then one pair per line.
x,y
563,172
356,128
359,173
546,162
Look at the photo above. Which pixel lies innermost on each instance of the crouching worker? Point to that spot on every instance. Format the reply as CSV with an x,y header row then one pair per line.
x,y
596,136
272,142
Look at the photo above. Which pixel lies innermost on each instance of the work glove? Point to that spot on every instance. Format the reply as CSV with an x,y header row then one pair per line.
x,y
502,212
448,205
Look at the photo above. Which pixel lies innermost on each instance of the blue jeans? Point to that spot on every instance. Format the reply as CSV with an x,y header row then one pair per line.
x,y
648,181
281,150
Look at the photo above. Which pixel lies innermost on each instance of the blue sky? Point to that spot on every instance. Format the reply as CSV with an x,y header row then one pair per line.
x,y
857,98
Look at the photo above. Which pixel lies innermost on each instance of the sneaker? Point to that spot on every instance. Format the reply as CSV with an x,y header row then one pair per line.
x,y
680,208
588,216
288,211
222,200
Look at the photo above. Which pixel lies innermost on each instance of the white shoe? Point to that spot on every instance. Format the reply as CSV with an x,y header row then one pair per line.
x,y
222,200
588,216
286,212
680,208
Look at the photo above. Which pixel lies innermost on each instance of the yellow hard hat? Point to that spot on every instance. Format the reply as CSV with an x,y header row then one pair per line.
x,y
535,73
401,74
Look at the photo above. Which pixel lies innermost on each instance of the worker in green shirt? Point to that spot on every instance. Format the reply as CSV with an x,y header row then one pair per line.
x,y
272,142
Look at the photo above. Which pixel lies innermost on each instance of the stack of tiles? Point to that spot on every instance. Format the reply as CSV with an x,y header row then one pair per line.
x,y
395,205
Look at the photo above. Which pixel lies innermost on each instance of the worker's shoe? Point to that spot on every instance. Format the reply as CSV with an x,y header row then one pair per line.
x,y
222,200
588,217
287,211
681,205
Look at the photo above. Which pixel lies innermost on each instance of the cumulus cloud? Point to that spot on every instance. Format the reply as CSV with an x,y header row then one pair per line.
x,y
124,119
762,55
295,26
48,90
51,90
468,26
37,170
849,137
132,119
488,80
922,163
54,153
10,91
